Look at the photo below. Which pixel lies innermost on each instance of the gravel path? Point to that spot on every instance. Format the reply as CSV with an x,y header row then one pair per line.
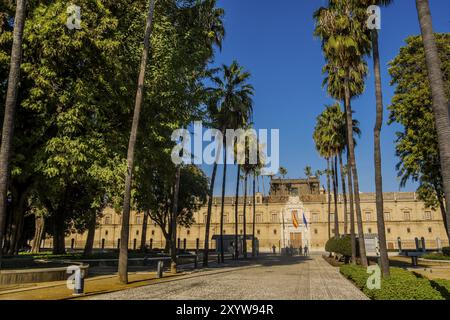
x,y
272,278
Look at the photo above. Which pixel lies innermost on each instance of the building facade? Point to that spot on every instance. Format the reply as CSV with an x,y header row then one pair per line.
x,y
295,213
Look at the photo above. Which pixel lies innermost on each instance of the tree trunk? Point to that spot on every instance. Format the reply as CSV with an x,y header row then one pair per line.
x,y
39,223
144,231
91,235
224,180
335,187
20,197
173,247
244,247
329,197
236,215
254,217
384,259
440,107
352,211
59,232
208,215
351,147
344,194
125,232
10,107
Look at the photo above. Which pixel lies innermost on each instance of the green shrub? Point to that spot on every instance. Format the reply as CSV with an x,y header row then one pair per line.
x,y
446,251
436,256
401,285
330,246
341,246
443,286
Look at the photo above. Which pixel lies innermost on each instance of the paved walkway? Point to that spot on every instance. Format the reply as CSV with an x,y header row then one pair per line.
x,y
271,278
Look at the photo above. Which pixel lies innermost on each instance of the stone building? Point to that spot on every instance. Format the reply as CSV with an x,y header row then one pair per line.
x,y
294,213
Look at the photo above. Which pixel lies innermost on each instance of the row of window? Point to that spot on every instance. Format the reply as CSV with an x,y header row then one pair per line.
x,y
368,216
315,217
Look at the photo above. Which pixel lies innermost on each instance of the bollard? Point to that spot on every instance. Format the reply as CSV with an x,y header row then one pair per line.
x,y
424,249
75,281
79,283
159,270
416,240
399,242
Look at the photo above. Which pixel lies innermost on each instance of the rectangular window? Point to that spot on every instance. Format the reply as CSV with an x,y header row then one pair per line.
x,y
428,215
258,218
241,218
315,217
407,215
387,216
332,217
225,218
274,217
368,216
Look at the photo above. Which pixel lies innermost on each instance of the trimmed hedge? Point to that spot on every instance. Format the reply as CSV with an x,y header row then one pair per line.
x,y
446,251
341,246
443,286
401,285
436,256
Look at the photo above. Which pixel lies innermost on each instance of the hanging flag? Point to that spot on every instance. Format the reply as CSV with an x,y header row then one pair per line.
x,y
294,219
305,222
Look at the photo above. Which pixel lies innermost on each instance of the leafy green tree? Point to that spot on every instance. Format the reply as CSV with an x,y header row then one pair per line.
x,y
440,97
417,144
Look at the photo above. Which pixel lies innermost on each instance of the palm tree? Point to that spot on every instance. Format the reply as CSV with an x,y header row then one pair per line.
x,y
377,145
10,107
236,214
344,43
125,232
308,174
283,172
440,107
232,108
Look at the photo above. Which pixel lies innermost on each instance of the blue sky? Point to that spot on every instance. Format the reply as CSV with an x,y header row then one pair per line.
x,y
274,41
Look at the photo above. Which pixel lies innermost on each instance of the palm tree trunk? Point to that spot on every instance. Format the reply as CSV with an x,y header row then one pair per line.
x,y
208,214
440,107
173,242
236,215
254,216
344,193
125,231
335,187
384,259
352,211
144,231
351,147
244,248
10,108
329,198
224,179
